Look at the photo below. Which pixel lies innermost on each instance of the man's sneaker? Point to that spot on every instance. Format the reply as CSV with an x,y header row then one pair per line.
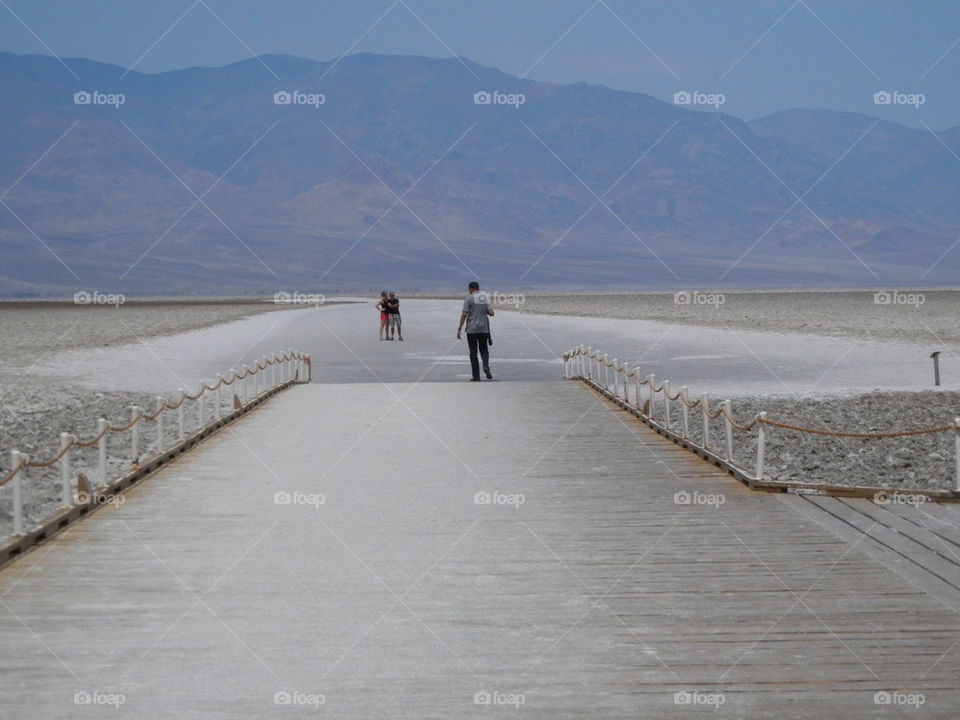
x,y
487,372
474,379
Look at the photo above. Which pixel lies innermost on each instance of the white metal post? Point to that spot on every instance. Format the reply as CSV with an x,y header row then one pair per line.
x,y
636,384
246,385
666,402
651,378
15,456
180,414
66,490
956,451
761,444
135,433
201,412
684,415
219,396
102,425
705,407
160,405
729,427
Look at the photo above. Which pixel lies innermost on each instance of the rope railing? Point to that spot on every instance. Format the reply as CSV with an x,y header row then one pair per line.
x,y
286,368
594,368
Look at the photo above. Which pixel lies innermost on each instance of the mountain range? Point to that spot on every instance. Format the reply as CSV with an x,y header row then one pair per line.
x,y
281,173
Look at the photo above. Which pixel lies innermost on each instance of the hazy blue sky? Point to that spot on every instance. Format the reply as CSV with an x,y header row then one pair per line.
x,y
763,56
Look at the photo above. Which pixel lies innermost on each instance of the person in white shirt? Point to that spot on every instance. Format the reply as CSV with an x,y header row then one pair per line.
x,y
476,314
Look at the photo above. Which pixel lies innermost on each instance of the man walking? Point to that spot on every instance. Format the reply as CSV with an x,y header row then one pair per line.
x,y
476,314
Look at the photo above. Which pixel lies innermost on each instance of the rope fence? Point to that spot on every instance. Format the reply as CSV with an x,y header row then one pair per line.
x,y
643,396
252,383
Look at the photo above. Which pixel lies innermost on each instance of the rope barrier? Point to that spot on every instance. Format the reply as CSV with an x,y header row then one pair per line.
x,y
843,433
635,373
74,442
92,441
49,461
126,427
723,455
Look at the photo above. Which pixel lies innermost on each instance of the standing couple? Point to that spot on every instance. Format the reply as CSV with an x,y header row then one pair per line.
x,y
389,307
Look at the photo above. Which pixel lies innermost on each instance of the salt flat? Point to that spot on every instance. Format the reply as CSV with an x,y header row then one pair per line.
x,y
343,342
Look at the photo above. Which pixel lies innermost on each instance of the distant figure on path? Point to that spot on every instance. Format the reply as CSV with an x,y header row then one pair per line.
x,y
381,305
477,313
393,315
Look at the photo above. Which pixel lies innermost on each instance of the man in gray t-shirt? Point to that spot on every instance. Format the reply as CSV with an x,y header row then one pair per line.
x,y
476,314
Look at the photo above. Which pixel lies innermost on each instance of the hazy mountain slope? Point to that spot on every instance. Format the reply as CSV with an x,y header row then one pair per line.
x,y
400,175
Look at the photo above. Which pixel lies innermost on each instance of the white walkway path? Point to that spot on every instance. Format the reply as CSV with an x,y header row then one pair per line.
x,y
206,595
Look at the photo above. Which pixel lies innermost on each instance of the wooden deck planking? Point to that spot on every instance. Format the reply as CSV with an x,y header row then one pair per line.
x,y
600,595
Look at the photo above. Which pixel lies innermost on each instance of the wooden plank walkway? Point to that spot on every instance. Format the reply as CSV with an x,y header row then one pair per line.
x,y
417,550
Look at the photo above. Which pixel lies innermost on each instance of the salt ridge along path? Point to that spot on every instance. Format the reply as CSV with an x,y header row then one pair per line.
x,y
331,549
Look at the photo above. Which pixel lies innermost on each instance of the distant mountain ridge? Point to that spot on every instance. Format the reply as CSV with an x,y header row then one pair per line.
x,y
399,175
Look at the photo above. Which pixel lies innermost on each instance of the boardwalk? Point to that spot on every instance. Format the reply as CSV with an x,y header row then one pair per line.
x,y
337,549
